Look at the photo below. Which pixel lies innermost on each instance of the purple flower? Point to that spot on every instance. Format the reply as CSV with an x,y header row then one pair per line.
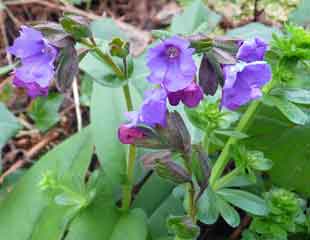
x,y
190,96
244,80
37,62
153,110
172,64
129,135
243,83
253,50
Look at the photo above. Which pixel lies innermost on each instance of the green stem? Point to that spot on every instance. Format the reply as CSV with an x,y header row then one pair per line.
x,y
127,188
126,92
192,203
244,122
104,57
226,179
190,188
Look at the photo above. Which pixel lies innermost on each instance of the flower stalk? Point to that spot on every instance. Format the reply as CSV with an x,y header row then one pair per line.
x,y
127,188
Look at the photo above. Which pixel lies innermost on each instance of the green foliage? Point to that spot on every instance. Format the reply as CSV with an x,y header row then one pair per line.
x,y
197,17
286,216
274,134
183,227
251,160
301,15
278,139
86,90
9,126
252,30
34,211
212,121
288,51
214,203
44,111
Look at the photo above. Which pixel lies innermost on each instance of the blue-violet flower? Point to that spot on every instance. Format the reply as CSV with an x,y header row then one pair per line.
x,y
153,110
244,80
37,57
172,64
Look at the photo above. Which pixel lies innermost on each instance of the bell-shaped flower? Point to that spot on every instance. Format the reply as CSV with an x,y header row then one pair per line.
x,y
171,64
37,58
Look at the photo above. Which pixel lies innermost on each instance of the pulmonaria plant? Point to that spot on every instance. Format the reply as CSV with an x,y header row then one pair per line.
x,y
37,57
173,69
244,80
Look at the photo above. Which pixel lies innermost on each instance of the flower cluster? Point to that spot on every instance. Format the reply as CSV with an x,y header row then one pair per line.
x,y
37,58
244,80
173,70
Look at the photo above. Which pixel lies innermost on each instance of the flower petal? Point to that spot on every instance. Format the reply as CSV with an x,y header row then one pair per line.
x,y
253,50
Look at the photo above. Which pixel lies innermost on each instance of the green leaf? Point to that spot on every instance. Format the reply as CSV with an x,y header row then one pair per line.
x,y
257,161
102,220
231,133
107,110
158,206
183,227
230,215
104,31
86,90
207,210
9,126
193,17
300,15
76,26
253,30
44,111
287,145
29,208
290,110
295,95
245,200
132,225
107,29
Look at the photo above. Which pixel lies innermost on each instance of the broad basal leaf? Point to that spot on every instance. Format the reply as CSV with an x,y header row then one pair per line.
x,y
29,208
194,16
286,144
253,30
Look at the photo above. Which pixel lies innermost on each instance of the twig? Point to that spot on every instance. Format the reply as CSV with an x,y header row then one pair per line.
x,y
40,145
5,39
245,222
76,98
255,12
64,8
4,82
12,169
30,154
25,123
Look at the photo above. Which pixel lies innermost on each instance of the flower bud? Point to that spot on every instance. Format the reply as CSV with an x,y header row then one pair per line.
x,y
129,135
